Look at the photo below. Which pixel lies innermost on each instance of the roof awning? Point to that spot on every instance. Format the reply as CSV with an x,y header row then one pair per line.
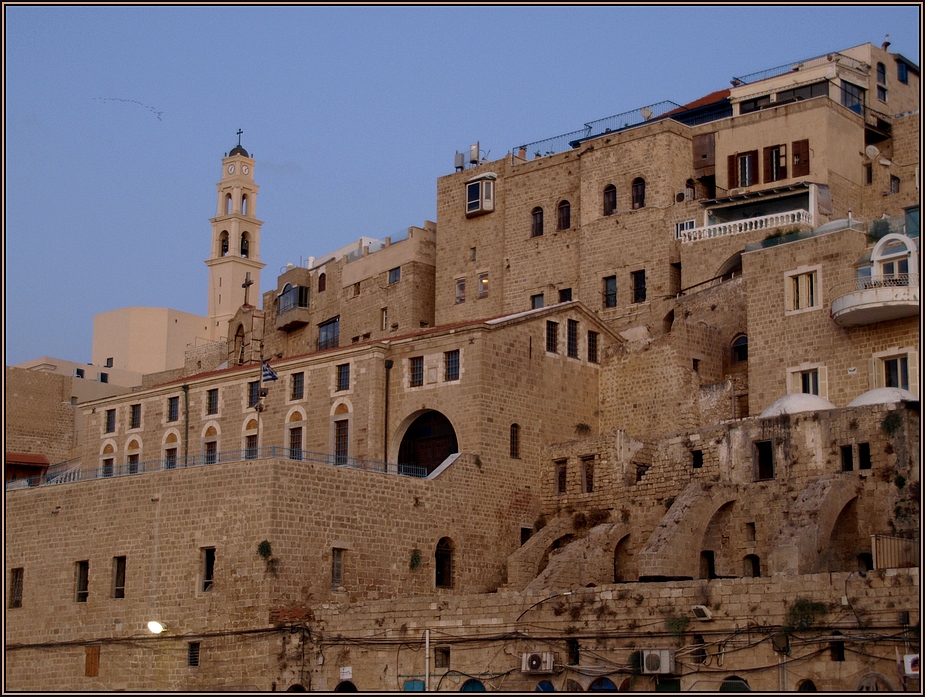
x,y
765,194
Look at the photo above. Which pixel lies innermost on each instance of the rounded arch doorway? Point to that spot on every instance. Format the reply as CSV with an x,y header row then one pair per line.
x,y
427,442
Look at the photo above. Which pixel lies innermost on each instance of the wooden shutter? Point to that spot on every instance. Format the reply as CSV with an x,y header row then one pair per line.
x,y
733,173
767,175
92,662
704,155
800,158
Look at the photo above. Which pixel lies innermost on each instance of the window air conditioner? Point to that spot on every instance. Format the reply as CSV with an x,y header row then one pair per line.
x,y
543,662
682,196
657,661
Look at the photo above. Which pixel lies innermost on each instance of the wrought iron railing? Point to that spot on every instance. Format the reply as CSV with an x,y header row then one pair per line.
x,y
214,458
765,222
896,280
801,65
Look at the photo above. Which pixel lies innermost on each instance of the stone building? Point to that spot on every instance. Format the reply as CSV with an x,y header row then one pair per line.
x,y
640,411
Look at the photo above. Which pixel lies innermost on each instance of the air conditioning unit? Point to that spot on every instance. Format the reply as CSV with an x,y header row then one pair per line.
x,y
733,192
657,661
538,662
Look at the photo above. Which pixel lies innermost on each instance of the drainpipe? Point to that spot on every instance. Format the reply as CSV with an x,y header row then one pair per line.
x,y
185,424
385,426
426,660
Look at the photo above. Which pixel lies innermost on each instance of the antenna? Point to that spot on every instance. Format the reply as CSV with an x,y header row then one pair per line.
x,y
646,113
460,161
474,153
872,152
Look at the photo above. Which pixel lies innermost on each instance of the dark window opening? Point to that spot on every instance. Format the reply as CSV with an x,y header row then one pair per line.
x,y
764,456
639,193
707,564
416,365
587,475
341,441
752,566
250,447
641,472
536,225
173,409
700,652
212,401
864,456
639,286
552,337
118,577
536,301
610,291
110,420
451,365
837,649
83,581
343,377
16,583
329,334
525,535
135,416
208,568
574,652
515,441
298,386
592,347
572,338
564,211
253,393
610,199
740,349
192,654
394,275
322,282
565,295
847,458
337,569
442,657
561,476
443,561
696,459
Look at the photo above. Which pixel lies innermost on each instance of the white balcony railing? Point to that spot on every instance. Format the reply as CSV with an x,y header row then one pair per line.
x,y
737,227
875,299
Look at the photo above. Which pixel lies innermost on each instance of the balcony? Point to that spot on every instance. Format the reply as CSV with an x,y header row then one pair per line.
x,y
737,227
875,299
292,309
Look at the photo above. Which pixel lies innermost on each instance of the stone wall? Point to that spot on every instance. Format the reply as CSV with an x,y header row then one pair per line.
x,y
39,416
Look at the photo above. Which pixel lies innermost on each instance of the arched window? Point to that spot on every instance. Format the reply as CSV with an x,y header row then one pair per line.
x,y
245,244
443,563
536,228
564,218
322,282
837,648
228,204
132,456
515,440
740,349
639,193
223,241
734,684
752,566
472,685
806,686
244,204
610,199
295,436
893,258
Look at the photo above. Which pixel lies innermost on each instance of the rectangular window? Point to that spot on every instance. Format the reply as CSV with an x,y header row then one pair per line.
x,y
902,72
809,382
295,443
896,372
416,370
133,463
682,227
881,94
775,163
109,362
329,334
571,337
460,290
394,275
639,286
552,337
480,196
864,456
610,291
697,459
118,577
451,365
82,570
483,285
800,149
337,569
135,416
343,377
561,476
565,295
170,458
104,377
750,105
847,458
384,316
193,650
894,184
764,460
747,168
173,409
852,97
212,401
341,442
108,467
356,289
592,347
16,581
208,567
78,372
802,291
110,421
298,386
587,475
92,661
868,174
211,454
250,447
253,393
442,657
536,301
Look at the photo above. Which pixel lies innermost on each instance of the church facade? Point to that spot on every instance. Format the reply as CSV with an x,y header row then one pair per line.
x,y
638,412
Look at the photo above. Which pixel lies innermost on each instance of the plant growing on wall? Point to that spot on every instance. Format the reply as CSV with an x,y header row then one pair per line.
x,y
582,429
415,559
265,551
677,624
803,613
891,423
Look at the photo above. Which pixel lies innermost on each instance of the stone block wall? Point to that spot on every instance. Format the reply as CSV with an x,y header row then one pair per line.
x,y
39,416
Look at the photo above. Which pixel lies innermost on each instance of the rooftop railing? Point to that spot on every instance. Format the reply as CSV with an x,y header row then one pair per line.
x,y
765,222
801,65
225,456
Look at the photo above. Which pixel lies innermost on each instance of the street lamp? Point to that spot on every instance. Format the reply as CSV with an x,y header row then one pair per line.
x,y
155,627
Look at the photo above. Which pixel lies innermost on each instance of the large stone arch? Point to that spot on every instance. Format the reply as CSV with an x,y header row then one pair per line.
x,y
428,438
587,561
524,563
799,547
673,548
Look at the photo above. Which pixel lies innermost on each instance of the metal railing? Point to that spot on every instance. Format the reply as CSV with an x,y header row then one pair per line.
x,y
765,222
896,280
225,456
840,58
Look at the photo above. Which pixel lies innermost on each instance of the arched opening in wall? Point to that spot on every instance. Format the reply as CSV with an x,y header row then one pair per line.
x,y
603,685
572,686
244,204
874,682
296,688
346,686
806,686
107,466
865,562
639,193
621,561
740,349
715,558
699,653
846,541
667,322
610,199
223,243
443,563
536,222
544,686
751,566
132,456
239,345
322,282
707,564
295,436
245,244
210,446
250,440
734,684
731,268
427,442
564,215
170,451
472,685
227,204
558,543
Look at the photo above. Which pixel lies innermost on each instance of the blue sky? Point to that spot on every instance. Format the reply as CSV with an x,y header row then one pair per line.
x,y
117,119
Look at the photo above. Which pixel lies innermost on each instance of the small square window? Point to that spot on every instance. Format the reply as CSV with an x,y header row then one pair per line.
x,y
78,372
104,377
108,363
442,657
394,275
565,295
536,301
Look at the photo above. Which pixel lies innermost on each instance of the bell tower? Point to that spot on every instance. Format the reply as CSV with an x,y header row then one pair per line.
x,y
234,261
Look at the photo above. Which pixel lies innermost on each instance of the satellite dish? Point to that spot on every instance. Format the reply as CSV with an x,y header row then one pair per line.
x,y
872,152
646,113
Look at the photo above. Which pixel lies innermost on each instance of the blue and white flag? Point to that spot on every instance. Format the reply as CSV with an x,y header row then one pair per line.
x,y
268,373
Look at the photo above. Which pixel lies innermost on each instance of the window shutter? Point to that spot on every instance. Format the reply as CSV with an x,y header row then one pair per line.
x,y
800,158
733,178
767,176
92,663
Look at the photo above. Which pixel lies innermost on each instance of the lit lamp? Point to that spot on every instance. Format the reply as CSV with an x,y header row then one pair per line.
x,y
155,627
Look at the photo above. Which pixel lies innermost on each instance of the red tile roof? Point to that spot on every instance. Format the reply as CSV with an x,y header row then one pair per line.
x,y
26,459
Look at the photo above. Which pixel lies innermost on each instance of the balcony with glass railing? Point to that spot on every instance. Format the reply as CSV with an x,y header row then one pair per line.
x,y
871,299
292,309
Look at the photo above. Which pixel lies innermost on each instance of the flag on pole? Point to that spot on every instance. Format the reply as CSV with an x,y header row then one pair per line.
x,y
268,373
